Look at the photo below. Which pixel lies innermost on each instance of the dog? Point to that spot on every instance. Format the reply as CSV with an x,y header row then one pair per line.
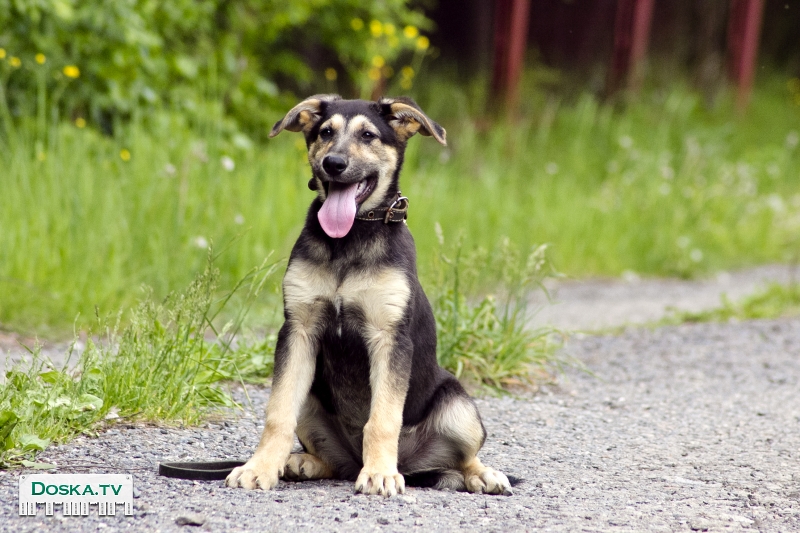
x,y
356,376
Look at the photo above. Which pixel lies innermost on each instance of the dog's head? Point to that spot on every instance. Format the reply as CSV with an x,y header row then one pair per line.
x,y
355,148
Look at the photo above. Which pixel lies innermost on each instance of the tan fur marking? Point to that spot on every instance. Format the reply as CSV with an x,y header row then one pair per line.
x,y
460,422
304,466
387,157
359,123
305,283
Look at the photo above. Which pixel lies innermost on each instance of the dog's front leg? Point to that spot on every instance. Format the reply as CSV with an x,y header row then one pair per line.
x,y
295,358
390,360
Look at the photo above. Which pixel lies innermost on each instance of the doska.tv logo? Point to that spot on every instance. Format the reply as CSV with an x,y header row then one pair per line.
x,y
74,493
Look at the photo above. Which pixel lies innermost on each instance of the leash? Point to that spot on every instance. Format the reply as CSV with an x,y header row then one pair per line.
x,y
204,471
396,212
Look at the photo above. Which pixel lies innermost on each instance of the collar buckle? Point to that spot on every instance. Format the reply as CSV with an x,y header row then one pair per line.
x,y
398,200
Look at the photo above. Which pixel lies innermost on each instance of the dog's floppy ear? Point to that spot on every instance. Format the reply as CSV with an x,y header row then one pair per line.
x,y
304,114
406,118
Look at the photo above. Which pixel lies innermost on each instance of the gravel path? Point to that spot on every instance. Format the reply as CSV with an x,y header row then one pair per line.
x,y
598,304
694,427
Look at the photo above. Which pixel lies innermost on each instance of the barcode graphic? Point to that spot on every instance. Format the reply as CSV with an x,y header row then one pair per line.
x,y
75,508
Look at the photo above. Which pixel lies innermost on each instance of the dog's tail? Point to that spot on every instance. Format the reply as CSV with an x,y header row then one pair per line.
x,y
445,479
437,479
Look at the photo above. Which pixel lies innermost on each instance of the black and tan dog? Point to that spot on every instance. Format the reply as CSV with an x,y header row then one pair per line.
x,y
355,365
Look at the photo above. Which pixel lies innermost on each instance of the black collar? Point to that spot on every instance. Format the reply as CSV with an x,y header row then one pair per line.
x,y
396,212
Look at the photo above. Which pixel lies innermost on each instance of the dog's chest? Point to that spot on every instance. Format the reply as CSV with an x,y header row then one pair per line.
x,y
354,317
320,298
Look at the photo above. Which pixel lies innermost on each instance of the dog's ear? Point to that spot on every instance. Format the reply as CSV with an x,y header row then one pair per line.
x,y
304,114
406,118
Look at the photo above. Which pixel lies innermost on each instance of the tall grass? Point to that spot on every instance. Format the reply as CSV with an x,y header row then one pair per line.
x,y
166,364
661,187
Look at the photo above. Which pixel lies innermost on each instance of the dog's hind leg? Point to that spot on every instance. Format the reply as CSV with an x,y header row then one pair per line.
x,y
483,479
327,452
441,452
304,466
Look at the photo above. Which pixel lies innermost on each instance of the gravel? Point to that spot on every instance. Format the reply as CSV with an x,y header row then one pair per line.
x,y
686,428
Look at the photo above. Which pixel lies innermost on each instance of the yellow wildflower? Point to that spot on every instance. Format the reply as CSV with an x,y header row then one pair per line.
x,y
388,28
407,72
2,53
331,74
406,83
374,74
40,58
15,61
125,155
410,32
80,122
393,41
378,61
71,71
376,28
356,24
423,43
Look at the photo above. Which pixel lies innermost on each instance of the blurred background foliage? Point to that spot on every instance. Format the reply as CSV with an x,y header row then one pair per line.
x,y
132,136
205,58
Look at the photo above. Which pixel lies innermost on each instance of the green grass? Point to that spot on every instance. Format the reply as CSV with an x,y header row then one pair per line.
x,y
661,187
774,301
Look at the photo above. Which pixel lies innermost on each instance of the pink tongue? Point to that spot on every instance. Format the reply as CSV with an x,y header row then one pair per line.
x,y
339,209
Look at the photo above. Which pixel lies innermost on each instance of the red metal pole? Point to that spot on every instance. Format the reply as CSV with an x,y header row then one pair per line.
x,y
631,37
510,39
744,30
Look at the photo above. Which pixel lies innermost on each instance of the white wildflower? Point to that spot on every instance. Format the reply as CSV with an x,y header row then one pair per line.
x,y
227,163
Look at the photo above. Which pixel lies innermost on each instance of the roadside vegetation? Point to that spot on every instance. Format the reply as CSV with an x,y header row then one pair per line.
x,y
661,187
773,301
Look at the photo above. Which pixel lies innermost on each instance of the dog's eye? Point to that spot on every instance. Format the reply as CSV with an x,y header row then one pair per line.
x,y
368,135
326,132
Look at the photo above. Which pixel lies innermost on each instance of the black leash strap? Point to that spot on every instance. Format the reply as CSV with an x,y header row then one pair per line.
x,y
204,471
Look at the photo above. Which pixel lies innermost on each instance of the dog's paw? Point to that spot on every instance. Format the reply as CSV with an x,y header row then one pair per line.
x,y
389,484
488,481
254,474
304,466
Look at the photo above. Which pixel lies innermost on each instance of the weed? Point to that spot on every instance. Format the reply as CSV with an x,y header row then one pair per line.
x,y
487,341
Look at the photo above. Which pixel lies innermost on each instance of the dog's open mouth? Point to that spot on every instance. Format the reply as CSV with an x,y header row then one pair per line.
x,y
339,208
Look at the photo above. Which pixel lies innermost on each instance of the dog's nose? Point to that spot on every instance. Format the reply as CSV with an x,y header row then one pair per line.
x,y
334,164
